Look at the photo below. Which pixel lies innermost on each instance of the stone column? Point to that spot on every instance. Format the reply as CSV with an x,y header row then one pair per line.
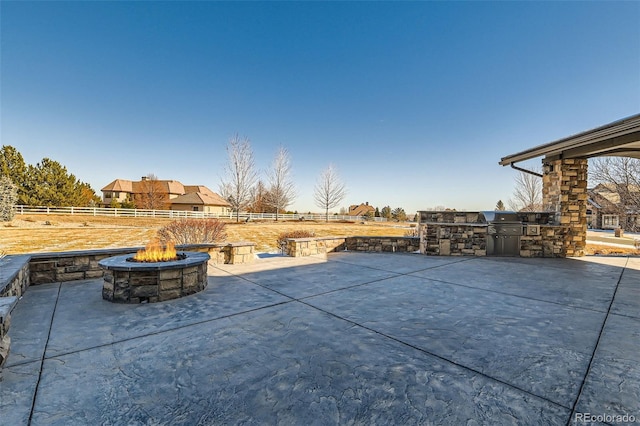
x,y
565,192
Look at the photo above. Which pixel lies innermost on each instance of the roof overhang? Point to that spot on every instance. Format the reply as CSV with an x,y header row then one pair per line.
x,y
620,138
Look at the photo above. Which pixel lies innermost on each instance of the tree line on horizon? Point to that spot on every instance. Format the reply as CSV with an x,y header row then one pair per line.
x,y
47,183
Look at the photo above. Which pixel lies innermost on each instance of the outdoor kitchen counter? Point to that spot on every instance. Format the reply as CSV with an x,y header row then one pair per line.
x,y
453,233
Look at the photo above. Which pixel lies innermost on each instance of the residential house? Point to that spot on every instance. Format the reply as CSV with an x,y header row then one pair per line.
x,y
164,195
605,210
360,210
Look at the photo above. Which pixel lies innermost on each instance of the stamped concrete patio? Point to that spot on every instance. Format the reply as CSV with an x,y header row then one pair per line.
x,y
348,339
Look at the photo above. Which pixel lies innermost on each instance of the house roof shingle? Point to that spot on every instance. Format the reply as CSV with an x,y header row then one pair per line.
x,y
200,198
186,194
122,185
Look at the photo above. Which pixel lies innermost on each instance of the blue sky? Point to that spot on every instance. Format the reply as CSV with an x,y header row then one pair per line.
x,y
413,102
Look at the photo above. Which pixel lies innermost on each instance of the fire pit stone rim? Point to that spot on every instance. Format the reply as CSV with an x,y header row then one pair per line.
x,y
120,263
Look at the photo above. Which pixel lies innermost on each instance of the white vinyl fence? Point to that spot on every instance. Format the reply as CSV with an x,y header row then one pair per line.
x,y
176,214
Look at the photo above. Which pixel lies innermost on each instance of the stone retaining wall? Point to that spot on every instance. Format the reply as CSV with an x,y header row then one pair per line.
x,y
14,275
384,244
6,306
81,265
297,247
234,253
18,272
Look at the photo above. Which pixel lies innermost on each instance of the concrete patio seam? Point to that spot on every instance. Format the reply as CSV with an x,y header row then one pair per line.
x,y
44,352
595,349
508,294
156,333
406,273
440,357
616,314
396,275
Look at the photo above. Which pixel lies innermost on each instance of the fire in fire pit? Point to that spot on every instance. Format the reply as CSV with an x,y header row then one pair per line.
x,y
155,252
129,281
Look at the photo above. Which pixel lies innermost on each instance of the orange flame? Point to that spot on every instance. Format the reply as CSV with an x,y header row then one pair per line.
x,y
154,252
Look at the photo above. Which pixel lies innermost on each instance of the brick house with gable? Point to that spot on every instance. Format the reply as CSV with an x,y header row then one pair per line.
x,y
164,195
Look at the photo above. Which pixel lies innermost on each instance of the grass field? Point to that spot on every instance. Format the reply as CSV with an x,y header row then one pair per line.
x,y
52,233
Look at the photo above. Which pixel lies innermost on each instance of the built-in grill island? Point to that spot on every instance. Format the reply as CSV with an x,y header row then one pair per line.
x,y
504,230
490,233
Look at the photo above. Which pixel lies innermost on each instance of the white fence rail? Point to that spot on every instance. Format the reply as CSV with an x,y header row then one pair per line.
x,y
176,214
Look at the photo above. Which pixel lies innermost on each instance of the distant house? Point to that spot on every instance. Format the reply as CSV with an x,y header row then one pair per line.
x,y
360,210
164,195
605,210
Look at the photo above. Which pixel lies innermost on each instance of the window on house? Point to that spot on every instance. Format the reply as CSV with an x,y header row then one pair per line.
x,y
195,208
610,221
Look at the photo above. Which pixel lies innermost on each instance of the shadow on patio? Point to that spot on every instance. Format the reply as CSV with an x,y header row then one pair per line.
x,y
348,339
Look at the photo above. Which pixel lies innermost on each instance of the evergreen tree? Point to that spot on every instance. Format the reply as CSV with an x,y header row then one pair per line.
x,y
46,184
49,184
377,213
8,198
386,212
500,205
399,214
12,165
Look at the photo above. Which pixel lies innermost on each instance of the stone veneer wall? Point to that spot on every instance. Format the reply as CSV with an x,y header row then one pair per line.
x,y
14,281
449,233
18,272
297,247
153,286
564,190
14,275
452,233
442,239
549,243
81,265
384,244
235,253
6,306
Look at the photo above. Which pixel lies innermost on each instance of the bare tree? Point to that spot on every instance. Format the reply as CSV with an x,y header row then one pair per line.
x,y
240,176
621,177
151,194
527,194
329,190
258,200
281,188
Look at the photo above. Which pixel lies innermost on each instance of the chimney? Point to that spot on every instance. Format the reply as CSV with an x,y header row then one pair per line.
x,y
367,203
143,178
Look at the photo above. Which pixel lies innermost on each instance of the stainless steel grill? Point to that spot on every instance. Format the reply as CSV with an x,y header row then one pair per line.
x,y
503,232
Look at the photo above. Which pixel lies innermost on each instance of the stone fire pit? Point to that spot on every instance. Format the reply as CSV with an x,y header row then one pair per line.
x,y
140,282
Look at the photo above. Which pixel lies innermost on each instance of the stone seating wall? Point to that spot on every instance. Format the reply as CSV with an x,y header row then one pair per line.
x,y
18,272
298,247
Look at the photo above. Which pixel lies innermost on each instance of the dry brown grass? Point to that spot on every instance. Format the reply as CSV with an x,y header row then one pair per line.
x,y
32,234
602,249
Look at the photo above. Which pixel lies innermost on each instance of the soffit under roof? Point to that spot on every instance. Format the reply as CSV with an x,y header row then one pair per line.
x,y
620,138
